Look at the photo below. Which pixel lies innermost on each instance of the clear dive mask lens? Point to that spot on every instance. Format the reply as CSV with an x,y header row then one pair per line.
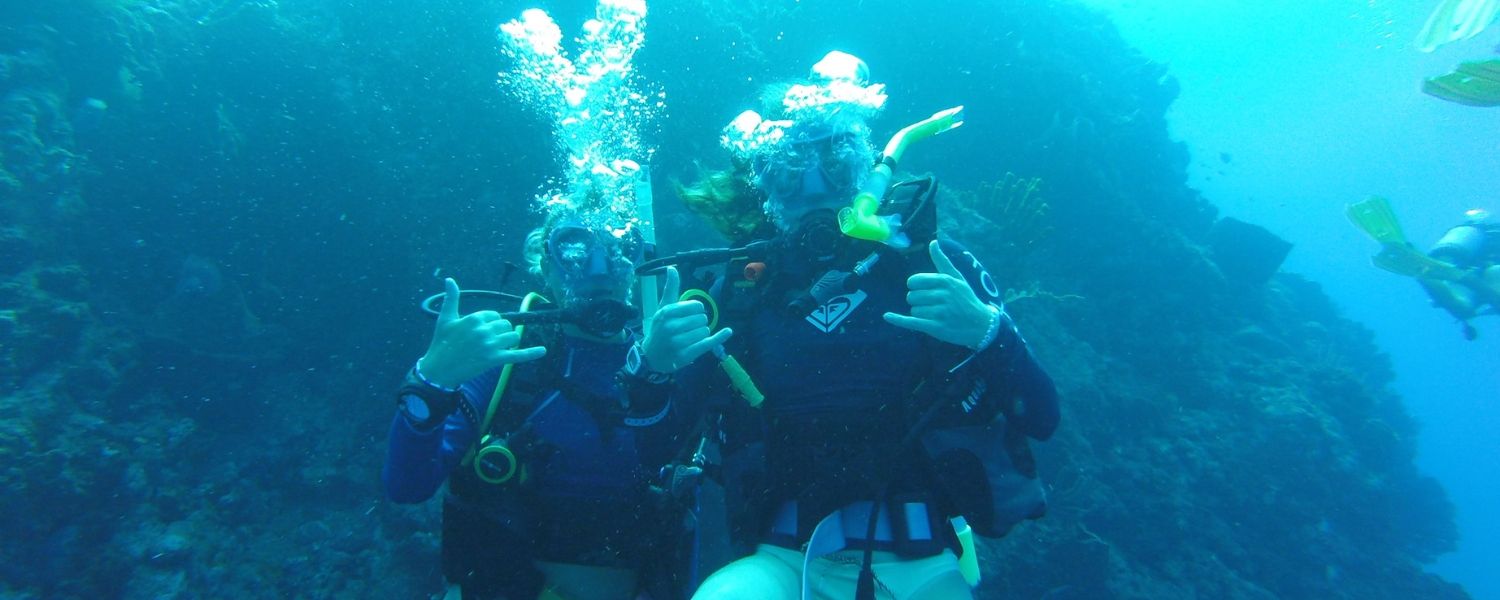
x,y
576,250
831,162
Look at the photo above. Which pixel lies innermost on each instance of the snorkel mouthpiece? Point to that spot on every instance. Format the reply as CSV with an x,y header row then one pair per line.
x,y
859,220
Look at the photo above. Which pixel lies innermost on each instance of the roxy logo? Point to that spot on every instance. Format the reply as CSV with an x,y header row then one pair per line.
x,y
828,316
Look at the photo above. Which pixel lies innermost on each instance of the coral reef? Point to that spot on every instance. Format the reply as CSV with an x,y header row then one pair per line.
x,y
1012,213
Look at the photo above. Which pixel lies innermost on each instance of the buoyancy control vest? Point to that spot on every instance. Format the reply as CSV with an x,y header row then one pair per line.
x,y
844,388
584,496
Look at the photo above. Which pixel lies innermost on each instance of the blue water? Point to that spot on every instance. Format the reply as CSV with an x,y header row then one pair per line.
x,y
1317,105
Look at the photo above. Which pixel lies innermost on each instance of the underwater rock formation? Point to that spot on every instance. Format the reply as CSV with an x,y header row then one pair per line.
x,y
1246,253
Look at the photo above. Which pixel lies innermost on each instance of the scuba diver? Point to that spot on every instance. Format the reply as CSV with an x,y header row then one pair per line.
x,y
1473,247
1461,273
556,480
568,476
890,394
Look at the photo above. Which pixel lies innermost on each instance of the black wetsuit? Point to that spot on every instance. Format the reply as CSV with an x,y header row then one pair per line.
x,y
843,387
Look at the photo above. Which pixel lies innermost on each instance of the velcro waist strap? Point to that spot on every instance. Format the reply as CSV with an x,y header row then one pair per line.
x,y
912,526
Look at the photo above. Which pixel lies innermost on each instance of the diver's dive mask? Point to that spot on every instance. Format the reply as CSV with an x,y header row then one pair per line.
x,y
591,270
812,170
578,251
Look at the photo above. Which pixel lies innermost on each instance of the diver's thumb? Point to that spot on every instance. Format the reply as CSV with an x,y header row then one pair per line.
x,y
451,293
673,287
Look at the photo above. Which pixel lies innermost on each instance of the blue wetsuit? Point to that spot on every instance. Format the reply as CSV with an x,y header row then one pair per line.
x,y
590,455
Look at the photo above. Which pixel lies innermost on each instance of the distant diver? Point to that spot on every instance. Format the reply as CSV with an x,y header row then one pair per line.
x,y
1462,271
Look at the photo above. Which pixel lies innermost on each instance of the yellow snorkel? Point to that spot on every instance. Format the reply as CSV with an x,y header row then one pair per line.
x,y
859,220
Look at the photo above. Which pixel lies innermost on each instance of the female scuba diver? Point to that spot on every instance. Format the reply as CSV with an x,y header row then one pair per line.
x,y
551,466
896,395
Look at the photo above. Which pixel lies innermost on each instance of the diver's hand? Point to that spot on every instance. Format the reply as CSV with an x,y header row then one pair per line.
x,y
464,347
944,306
679,331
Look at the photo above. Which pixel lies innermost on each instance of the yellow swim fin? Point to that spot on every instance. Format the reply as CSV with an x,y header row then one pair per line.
x,y
1474,83
1402,259
1456,20
1375,217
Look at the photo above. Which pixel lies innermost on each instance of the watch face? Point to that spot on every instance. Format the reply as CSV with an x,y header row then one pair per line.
x,y
633,360
415,407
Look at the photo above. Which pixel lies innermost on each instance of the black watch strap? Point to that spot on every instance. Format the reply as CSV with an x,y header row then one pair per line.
x,y
440,403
